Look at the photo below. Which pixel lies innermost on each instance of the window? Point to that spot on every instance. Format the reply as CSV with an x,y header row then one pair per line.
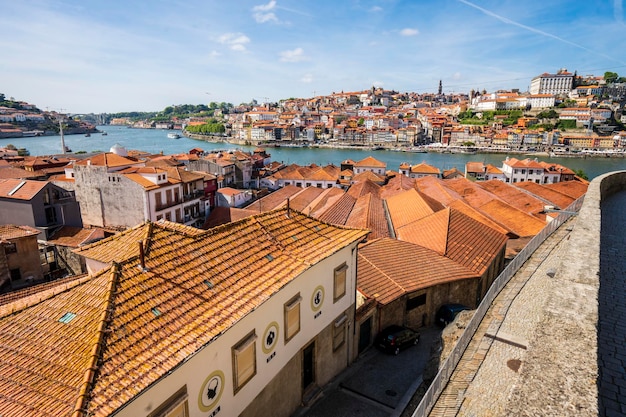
x,y
340,282
175,406
415,302
10,247
157,199
244,361
339,332
292,317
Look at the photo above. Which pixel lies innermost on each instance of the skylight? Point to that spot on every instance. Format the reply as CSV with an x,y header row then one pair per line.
x,y
155,311
208,283
67,317
269,257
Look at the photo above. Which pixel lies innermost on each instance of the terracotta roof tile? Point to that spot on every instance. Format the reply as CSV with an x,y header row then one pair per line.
x,y
10,231
274,199
436,189
370,161
20,189
75,236
324,202
47,352
457,236
548,195
407,207
515,197
520,223
573,189
389,268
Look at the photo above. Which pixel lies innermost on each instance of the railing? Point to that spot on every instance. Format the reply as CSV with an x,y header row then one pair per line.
x,y
445,371
164,205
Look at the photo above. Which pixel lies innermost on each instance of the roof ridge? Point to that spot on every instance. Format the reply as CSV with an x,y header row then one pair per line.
x,y
98,342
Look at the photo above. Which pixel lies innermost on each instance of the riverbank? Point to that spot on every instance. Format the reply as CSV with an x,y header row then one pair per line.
x,y
548,153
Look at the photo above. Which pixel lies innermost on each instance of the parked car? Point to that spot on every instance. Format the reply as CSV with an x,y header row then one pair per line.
x,y
448,312
394,338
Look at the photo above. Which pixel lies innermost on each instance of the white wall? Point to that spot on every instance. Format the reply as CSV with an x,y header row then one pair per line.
x,y
216,357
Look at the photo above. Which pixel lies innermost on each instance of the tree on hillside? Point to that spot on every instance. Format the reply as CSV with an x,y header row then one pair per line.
x,y
610,77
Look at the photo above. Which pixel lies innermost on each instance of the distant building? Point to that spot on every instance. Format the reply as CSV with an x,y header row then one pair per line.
x,y
38,204
558,84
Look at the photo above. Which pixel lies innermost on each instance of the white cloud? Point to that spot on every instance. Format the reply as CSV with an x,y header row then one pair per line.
x,y
307,78
263,13
296,55
376,9
235,41
456,76
214,54
409,32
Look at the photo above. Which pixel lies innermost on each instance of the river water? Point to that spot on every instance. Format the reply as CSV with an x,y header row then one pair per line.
x,y
156,141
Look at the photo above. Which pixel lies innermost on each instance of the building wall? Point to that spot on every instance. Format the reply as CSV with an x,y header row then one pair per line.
x,y
26,259
108,199
277,376
463,292
18,212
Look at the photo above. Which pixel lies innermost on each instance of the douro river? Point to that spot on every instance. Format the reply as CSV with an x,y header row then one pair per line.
x,y
156,141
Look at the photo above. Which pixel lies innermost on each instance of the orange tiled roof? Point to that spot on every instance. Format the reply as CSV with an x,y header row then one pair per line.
x,y
368,213
457,236
407,207
574,189
324,202
389,268
553,197
475,214
436,189
370,161
107,159
75,236
223,215
396,185
131,326
424,168
514,196
340,210
274,199
522,224
10,231
20,189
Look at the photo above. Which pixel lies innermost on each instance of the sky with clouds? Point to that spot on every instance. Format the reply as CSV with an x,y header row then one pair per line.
x,y
83,56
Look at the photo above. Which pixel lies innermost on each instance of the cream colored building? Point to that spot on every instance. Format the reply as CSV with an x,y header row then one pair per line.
x,y
247,319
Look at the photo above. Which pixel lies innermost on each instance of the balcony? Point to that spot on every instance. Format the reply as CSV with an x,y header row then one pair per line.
x,y
164,205
193,195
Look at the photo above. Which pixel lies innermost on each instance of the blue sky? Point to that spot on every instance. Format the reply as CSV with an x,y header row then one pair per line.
x,y
109,56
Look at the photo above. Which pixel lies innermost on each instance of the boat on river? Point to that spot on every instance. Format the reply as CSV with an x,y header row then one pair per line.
x,y
173,135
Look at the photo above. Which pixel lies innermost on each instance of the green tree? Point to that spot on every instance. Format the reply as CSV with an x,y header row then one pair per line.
x,y
610,77
580,173
11,147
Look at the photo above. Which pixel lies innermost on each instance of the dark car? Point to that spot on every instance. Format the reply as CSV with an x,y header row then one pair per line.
x,y
448,312
394,338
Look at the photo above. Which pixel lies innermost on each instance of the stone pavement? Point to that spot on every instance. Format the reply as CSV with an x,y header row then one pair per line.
x,y
612,308
541,349
377,384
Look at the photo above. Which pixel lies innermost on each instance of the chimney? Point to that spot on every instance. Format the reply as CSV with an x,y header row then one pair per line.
x,y
142,259
288,208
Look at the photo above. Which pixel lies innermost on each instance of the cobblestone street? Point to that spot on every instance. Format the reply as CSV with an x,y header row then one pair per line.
x,y
612,308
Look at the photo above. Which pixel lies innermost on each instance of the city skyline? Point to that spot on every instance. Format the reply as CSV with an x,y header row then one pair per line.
x,y
68,56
